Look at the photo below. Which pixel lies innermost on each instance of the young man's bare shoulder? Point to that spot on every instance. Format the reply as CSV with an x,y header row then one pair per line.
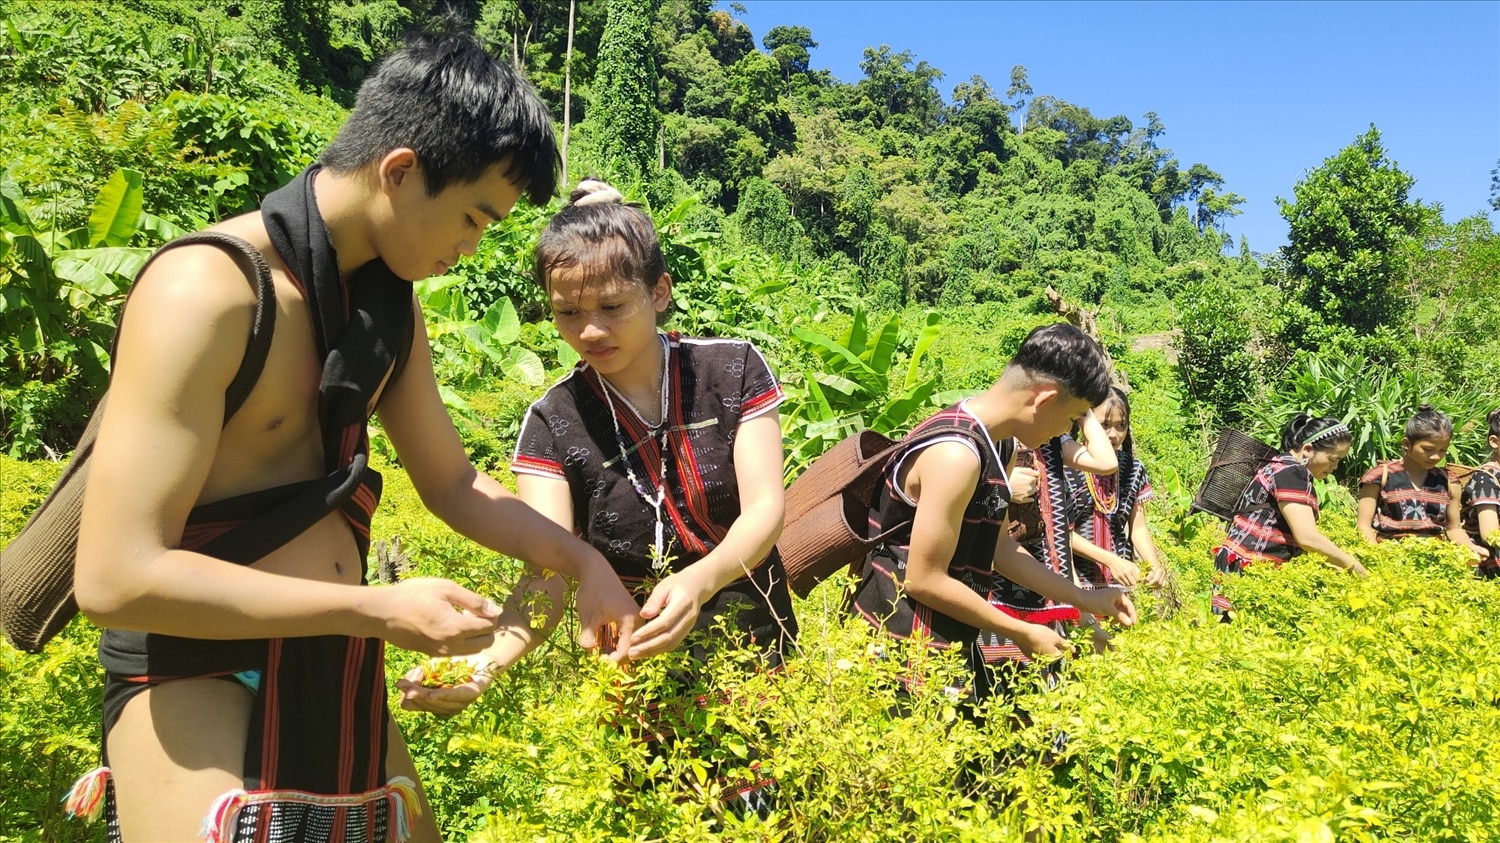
x,y
950,466
194,300
199,281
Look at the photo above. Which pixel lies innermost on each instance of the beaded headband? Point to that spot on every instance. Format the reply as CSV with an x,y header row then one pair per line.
x,y
1326,432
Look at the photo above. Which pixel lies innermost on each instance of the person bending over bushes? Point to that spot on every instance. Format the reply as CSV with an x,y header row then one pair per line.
x,y
1481,504
662,451
934,577
1277,516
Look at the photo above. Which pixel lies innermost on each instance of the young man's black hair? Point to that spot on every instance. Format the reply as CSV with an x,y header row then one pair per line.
x,y
1062,353
459,109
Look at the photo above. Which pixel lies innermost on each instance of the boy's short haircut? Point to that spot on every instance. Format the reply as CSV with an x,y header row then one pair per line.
x,y
461,111
1063,354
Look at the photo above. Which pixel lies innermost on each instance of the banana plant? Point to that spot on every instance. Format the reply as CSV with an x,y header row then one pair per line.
x,y
59,290
859,384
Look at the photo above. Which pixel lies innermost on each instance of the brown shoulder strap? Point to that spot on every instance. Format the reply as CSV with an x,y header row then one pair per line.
x,y
262,325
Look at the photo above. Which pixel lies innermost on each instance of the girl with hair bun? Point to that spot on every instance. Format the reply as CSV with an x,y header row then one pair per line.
x,y
662,451
1480,514
1277,516
1413,495
1113,540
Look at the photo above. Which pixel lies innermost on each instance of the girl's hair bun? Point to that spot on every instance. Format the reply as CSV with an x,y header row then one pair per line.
x,y
592,191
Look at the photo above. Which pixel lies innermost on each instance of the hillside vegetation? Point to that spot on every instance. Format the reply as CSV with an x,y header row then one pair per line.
x,y
808,214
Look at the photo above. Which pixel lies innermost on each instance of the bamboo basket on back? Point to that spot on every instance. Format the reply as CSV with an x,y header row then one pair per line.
x,y
1236,459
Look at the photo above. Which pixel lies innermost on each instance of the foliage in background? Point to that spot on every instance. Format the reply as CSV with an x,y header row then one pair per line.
x,y
59,294
624,89
1376,403
860,382
1347,225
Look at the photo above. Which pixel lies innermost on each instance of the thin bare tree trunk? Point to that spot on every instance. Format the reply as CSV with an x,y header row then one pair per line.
x,y
568,93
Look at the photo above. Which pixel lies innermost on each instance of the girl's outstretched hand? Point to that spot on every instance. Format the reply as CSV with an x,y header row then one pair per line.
x,y
603,603
1124,571
670,613
425,687
1158,576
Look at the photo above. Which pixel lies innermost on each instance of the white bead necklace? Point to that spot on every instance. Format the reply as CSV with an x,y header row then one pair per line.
x,y
660,561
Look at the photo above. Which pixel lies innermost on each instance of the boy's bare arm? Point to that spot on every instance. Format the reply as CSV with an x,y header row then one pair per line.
x,y
478,507
942,480
183,338
1021,568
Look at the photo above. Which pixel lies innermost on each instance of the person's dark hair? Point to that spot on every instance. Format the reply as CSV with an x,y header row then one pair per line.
x,y
459,110
1063,354
1323,434
1494,420
1428,424
1118,398
603,236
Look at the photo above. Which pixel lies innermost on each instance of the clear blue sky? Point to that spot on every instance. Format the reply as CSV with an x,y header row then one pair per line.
x,y
1261,92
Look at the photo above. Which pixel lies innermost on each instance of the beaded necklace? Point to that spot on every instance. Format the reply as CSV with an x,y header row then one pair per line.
x,y
660,559
1104,501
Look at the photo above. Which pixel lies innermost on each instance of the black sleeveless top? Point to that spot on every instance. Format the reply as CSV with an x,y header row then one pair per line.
x,y
880,598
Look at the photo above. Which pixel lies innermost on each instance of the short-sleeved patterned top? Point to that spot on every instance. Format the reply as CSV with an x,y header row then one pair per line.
x,y
712,387
1483,489
1259,531
1405,509
880,598
1103,504
1052,548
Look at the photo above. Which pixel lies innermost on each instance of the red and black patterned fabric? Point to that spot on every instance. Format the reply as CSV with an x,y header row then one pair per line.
x,y
1052,548
1103,505
712,386
1259,532
318,725
1482,490
880,598
1405,508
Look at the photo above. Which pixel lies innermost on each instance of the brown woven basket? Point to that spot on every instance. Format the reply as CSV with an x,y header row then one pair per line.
x,y
1237,457
828,510
36,569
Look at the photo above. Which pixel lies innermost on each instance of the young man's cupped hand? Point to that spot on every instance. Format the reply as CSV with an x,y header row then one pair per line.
x,y
1109,603
419,614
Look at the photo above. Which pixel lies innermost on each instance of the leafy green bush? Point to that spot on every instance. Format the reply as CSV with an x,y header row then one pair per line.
x,y
1375,401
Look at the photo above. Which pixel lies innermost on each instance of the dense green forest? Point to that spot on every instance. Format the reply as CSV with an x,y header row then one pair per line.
x,y
809,213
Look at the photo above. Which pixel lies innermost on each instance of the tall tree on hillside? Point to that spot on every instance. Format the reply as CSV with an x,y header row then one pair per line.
x,y
1019,90
624,107
791,47
1495,187
1347,226
898,85
568,90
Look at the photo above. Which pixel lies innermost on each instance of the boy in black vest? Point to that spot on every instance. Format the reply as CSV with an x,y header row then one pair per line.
x,y
226,557
935,579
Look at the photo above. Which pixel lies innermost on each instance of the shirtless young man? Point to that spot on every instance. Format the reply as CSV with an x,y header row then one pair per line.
x,y
221,690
